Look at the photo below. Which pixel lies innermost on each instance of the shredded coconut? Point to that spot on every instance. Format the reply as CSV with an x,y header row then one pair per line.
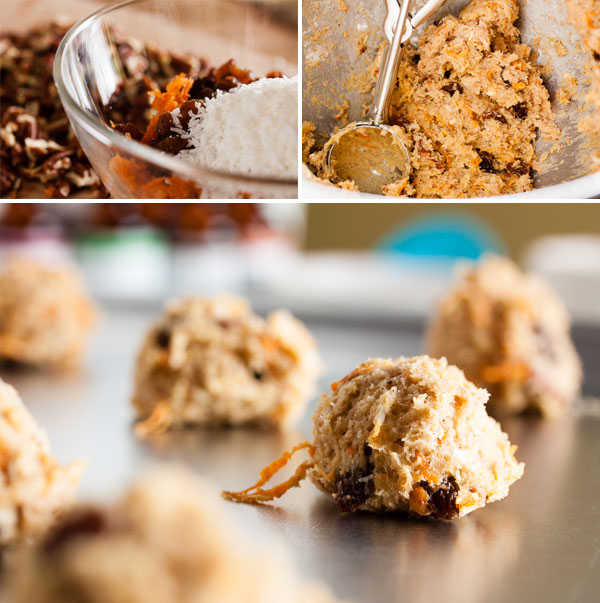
x,y
251,130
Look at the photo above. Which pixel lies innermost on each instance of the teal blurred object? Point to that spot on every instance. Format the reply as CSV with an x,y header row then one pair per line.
x,y
443,236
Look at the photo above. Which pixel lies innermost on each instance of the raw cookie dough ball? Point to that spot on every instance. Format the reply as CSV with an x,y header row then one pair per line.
x,y
410,434
213,361
45,315
34,489
167,540
510,334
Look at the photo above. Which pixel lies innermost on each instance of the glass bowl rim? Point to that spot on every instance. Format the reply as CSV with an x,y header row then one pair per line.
x,y
132,147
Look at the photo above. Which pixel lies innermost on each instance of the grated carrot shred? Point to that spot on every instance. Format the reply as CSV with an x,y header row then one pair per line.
x,y
256,494
159,421
176,93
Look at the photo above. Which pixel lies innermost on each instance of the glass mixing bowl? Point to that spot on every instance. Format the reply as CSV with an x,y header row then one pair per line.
x,y
88,69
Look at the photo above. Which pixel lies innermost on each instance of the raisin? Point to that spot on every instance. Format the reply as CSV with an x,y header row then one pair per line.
x,y
258,375
172,145
596,55
518,168
130,129
186,111
354,487
416,58
520,110
495,115
447,73
487,162
88,522
163,338
442,499
164,125
453,88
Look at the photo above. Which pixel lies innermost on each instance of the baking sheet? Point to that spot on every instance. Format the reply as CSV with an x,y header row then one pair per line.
x,y
542,543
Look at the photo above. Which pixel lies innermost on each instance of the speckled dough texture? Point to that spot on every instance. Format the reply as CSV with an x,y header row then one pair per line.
x,y
410,434
45,316
471,102
585,15
34,489
166,541
214,361
510,334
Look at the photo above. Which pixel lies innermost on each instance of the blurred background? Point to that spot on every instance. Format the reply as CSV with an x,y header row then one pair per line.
x,y
368,261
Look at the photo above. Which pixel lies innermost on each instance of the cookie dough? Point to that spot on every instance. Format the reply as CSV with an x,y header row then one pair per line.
x,y
410,434
471,103
45,316
34,489
585,15
213,361
510,334
167,540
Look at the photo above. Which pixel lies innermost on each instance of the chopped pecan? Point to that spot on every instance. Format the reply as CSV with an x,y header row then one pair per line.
x,y
517,168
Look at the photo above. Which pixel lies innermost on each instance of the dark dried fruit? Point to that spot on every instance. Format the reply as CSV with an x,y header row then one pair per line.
x,y
487,162
442,499
520,110
596,56
129,129
416,58
163,338
258,375
186,111
447,73
172,145
164,125
517,168
453,88
495,115
88,522
354,487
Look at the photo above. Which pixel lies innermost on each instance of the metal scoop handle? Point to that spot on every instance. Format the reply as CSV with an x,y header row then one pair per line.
x,y
412,23
388,71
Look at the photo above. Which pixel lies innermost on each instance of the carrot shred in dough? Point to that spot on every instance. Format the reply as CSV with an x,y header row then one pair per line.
x,y
159,421
256,494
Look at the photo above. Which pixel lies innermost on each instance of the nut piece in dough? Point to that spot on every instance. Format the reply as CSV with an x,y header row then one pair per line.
x,y
45,316
213,361
34,489
410,434
510,334
167,540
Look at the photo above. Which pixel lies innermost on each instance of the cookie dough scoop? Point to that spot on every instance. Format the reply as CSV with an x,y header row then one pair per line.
x,y
370,153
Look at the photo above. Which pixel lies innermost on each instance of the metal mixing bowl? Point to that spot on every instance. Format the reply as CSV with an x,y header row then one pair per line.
x,y
333,30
